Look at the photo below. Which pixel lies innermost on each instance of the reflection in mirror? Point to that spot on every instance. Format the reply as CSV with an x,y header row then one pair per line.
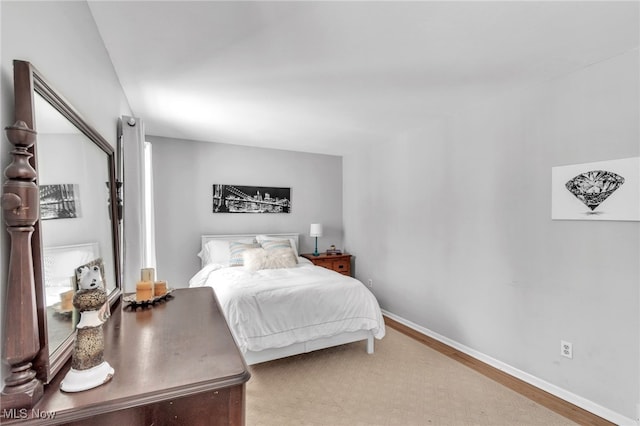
x,y
75,227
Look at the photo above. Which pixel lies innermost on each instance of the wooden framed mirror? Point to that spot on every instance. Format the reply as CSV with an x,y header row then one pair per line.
x,y
77,223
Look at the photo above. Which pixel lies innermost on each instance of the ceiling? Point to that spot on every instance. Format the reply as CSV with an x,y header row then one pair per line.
x,y
322,76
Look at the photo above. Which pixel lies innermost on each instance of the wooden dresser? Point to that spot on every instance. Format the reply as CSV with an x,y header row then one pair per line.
x,y
175,364
338,262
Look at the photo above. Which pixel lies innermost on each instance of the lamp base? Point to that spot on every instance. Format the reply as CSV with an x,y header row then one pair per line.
x,y
315,252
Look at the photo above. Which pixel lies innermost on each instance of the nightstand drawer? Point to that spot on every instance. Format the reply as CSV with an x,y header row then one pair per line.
x,y
340,263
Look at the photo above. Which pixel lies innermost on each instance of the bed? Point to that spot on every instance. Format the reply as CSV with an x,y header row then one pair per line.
x,y
285,305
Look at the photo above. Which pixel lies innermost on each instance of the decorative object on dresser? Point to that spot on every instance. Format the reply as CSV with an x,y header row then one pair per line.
x,y
145,287
315,230
88,367
132,300
336,262
159,288
177,364
148,291
38,341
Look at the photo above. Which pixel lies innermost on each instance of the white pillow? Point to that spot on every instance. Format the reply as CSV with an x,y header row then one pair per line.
x,y
258,258
217,251
292,242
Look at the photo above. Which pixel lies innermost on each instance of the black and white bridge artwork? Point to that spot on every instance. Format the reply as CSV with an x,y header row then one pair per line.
x,y
250,199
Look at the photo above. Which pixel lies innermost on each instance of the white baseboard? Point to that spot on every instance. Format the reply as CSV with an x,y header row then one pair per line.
x,y
572,398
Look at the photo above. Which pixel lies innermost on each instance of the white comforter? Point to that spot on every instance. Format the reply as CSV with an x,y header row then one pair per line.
x,y
274,308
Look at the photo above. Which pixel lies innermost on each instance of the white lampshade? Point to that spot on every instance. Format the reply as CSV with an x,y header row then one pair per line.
x,y
315,230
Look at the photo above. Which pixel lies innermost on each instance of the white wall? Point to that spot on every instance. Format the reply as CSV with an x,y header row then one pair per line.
x,y
60,39
184,174
452,222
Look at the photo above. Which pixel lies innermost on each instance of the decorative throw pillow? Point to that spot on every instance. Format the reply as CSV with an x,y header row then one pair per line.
x,y
259,258
281,258
279,244
236,250
292,241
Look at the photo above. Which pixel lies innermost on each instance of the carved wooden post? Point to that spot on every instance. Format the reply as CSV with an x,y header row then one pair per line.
x,y
20,205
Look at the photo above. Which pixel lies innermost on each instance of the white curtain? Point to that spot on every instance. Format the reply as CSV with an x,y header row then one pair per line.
x,y
138,239
149,219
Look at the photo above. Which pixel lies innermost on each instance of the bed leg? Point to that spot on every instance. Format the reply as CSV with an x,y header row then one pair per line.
x,y
370,344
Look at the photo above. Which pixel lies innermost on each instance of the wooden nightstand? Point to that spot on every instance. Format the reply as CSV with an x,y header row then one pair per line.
x,y
336,262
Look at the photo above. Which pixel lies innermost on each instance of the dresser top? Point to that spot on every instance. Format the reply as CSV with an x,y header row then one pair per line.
x,y
176,348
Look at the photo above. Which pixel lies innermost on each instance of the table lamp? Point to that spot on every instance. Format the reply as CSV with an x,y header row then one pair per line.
x,y
316,231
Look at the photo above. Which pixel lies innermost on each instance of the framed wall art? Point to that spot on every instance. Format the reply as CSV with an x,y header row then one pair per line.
x,y
59,201
250,199
603,190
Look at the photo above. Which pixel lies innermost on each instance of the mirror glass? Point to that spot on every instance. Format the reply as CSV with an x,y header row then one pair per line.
x,y
75,223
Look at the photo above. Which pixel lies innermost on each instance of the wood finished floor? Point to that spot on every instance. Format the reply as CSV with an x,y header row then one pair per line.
x,y
543,398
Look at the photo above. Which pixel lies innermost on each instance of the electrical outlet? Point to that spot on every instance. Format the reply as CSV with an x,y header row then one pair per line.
x,y
566,349
369,282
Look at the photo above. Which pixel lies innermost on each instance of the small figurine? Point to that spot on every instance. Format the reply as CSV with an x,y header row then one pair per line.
x,y
88,367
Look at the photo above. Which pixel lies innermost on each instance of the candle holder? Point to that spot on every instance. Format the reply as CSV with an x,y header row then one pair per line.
x,y
133,303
